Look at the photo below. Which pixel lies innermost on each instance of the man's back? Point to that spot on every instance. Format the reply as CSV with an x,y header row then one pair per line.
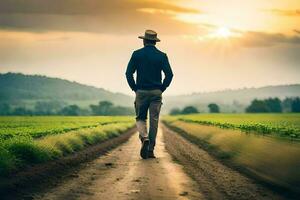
x,y
149,62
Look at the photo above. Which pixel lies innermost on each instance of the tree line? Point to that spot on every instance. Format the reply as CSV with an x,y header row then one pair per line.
x,y
269,105
213,108
58,108
274,105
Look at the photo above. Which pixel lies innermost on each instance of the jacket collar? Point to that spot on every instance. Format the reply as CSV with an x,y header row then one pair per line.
x,y
150,46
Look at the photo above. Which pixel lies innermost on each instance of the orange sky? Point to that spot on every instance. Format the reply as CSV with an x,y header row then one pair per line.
x,y
212,45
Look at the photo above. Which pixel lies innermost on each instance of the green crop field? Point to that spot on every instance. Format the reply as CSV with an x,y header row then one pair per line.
x,y
272,159
41,126
29,140
283,125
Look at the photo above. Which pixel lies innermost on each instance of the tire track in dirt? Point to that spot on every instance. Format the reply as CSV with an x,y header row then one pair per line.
x,y
215,180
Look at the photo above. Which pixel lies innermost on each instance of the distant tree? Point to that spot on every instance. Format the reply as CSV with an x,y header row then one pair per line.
x,y
295,107
47,107
175,111
120,110
21,111
267,105
71,110
287,104
213,108
257,106
5,109
189,110
103,108
274,105
107,108
94,109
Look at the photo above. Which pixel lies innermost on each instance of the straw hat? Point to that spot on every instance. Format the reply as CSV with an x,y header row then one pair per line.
x,y
150,35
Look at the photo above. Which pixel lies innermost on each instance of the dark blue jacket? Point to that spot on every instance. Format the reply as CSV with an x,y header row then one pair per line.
x,y
149,63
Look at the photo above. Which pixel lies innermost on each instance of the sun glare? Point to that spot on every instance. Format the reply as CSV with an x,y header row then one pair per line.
x,y
223,32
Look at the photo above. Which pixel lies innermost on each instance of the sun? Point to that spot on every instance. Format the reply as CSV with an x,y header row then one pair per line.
x,y
222,32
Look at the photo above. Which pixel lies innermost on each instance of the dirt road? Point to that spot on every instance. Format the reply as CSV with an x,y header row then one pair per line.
x,y
122,174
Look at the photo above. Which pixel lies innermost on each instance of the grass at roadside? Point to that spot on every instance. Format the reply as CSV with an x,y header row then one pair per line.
x,y
22,149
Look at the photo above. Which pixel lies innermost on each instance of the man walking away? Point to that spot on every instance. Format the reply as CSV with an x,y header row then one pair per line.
x,y
149,63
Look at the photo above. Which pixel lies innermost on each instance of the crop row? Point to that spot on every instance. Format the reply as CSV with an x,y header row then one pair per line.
x,y
37,127
17,152
283,125
259,128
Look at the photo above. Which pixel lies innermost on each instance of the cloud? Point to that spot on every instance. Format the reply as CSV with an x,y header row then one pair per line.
x,y
289,13
160,11
261,39
113,16
85,7
248,39
297,31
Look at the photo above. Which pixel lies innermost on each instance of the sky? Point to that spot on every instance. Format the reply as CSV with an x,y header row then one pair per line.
x,y
211,44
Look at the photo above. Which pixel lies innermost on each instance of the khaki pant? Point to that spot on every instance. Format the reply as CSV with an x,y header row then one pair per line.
x,y
148,100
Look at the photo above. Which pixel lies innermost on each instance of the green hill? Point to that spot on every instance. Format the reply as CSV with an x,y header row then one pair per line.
x,y
24,90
